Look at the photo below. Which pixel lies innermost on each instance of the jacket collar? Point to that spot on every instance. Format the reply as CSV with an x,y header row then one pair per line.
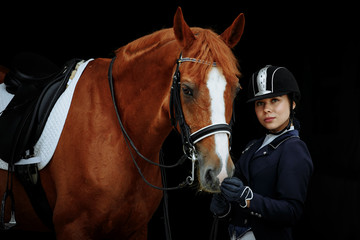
x,y
275,143
279,140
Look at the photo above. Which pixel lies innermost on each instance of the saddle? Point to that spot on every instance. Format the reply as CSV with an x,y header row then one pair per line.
x,y
37,84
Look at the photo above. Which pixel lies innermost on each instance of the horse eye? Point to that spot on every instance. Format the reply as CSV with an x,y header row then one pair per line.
x,y
187,91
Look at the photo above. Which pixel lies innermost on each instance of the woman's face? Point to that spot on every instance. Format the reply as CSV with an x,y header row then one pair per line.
x,y
273,113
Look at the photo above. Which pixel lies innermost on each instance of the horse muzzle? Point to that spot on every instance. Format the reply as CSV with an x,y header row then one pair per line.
x,y
213,155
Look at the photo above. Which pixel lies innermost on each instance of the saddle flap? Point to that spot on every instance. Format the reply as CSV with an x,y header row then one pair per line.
x,y
14,119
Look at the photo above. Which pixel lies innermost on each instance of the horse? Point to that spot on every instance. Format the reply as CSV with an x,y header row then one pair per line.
x,y
91,183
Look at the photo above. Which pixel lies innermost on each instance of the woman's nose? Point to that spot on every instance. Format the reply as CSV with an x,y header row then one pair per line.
x,y
267,108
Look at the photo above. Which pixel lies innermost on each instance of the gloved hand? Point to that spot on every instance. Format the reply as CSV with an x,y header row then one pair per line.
x,y
234,190
219,205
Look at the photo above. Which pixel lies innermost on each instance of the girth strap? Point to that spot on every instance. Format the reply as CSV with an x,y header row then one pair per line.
x,y
29,177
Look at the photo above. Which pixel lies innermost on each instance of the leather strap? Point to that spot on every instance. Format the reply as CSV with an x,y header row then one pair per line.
x,y
210,130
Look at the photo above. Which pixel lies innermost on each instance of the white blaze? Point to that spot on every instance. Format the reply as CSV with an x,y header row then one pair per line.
x,y
216,84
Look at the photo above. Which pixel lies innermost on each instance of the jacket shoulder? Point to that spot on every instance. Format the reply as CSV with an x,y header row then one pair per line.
x,y
296,153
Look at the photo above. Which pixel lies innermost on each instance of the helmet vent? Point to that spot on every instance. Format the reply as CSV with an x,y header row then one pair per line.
x,y
261,81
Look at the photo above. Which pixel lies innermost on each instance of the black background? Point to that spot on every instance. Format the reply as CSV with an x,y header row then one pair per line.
x,y
319,44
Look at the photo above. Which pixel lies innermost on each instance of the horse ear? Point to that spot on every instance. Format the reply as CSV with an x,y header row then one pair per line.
x,y
232,34
182,31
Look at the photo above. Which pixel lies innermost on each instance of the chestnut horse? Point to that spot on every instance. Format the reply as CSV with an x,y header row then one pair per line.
x,y
91,183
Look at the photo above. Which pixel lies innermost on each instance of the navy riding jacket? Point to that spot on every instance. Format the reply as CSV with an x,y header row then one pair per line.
x,y
278,175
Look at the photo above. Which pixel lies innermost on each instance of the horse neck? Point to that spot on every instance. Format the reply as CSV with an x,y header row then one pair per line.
x,y
142,84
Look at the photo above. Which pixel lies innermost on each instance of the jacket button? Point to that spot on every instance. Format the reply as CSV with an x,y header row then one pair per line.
x,y
265,153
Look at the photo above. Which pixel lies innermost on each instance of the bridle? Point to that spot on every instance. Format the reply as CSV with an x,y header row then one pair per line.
x,y
177,118
177,115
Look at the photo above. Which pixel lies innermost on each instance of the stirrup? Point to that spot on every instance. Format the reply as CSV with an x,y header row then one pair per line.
x,y
12,223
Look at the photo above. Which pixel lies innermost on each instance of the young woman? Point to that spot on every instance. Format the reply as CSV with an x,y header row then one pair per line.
x,y
265,198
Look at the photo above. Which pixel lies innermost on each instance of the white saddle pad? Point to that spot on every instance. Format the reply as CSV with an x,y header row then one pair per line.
x,y
46,145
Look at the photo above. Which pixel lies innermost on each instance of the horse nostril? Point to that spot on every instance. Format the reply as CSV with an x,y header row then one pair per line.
x,y
210,182
209,175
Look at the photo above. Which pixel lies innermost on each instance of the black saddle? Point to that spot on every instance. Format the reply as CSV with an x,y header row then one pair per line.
x,y
29,68
37,84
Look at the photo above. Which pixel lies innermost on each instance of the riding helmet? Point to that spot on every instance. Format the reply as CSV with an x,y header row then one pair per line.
x,y
273,81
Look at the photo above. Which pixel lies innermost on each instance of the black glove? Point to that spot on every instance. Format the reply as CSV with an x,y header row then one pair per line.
x,y
219,205
234,190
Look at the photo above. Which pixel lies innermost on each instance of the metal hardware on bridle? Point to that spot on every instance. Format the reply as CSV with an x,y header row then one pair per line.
x,y
193,158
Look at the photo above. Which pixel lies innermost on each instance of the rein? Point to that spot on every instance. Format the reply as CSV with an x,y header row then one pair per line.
x,y
177,118
130,144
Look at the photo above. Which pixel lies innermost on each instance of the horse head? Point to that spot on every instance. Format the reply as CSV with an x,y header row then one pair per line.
x,y
208,86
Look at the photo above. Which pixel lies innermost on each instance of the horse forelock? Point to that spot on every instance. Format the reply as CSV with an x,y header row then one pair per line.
x,y
210,47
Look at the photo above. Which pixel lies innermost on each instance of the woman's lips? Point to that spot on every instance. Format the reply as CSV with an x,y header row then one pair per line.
x,y
269,119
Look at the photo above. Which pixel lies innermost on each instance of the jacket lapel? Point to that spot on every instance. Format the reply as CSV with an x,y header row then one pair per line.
x,y
246,157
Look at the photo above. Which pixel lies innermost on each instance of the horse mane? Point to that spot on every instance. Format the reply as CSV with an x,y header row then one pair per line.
x,y
208,47
146,44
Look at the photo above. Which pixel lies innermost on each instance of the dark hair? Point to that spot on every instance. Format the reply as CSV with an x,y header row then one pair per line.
x,y
293,97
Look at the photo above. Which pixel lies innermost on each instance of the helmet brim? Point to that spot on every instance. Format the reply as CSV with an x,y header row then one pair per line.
x,y
269,95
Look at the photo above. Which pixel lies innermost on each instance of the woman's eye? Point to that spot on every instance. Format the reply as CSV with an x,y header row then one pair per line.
x,y
187,91
274,100
259,103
